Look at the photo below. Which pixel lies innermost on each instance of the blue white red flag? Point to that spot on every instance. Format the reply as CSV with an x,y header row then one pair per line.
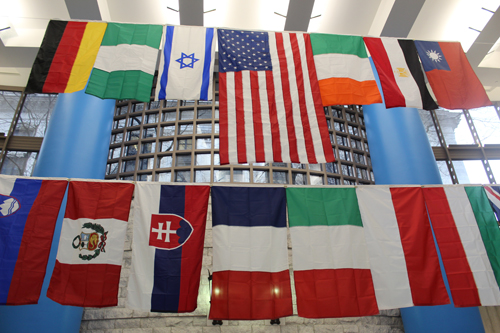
x,y
167,249
186,63
28,215
493,193
251,279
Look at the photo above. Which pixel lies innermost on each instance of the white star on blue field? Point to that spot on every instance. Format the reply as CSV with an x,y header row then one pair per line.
x,y
185,56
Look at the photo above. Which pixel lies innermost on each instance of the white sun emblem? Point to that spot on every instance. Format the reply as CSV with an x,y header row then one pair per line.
x,y
434,55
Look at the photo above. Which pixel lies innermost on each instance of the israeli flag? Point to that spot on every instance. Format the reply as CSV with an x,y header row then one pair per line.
x,y
186,63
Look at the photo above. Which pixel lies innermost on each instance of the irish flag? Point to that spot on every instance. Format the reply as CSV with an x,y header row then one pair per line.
x,y
403,257
469,240
330,259
126,62
344,72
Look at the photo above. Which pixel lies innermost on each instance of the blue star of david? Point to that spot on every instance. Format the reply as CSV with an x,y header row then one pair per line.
x,y
185,56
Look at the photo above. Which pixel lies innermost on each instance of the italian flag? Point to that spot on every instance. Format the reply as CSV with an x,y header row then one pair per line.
x,y
468,237
344,71
330,260
126,62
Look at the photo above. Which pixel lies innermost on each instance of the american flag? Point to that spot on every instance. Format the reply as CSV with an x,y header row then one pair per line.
x,y
270,104
493,194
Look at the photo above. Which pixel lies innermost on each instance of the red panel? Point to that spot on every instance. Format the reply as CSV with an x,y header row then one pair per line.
x,y
257,118
335,293
250,295
223,124
273,116
240,118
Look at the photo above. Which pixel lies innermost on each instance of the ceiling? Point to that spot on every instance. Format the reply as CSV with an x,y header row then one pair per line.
x,y
475,23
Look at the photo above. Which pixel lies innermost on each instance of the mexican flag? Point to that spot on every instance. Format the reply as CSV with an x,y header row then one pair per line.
x,y
126,62
330,259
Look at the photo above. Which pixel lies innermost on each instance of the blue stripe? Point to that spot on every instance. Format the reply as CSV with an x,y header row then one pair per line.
x,y
248,206
167,50
12,229
209,37
167,271
431,55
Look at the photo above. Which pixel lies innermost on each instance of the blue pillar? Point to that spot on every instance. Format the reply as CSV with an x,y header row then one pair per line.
x,y
401,154
75,146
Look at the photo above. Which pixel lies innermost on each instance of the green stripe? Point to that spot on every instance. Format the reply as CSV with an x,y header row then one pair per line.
x,y
120,85
488,226
322,206
140,34
327,43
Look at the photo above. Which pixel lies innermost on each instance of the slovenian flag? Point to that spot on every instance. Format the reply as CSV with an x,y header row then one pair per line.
x,y
251,279
28,215
167,249
403,257
186,63
330,259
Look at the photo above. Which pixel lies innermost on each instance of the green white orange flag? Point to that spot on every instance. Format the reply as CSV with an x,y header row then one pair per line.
x,y
126,62
344,71
330,261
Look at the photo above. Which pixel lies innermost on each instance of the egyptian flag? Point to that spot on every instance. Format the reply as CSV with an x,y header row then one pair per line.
x,y
28,215
66,56
251,279
167,249
400,73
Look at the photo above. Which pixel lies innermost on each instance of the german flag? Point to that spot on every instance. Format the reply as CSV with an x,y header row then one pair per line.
x,y
66,57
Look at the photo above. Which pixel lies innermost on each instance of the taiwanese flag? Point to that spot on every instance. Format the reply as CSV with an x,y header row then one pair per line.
x,y
66,57
28,214
251,279
167,250
450,75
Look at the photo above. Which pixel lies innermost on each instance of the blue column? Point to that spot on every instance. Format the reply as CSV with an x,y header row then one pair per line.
x,y
401,154
75,146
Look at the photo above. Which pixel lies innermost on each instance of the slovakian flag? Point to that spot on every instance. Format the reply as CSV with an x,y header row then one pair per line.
x,y
403,257
167,249
330,260
28,215
66,57
270,102
493,194
251,279
451,76
186,63
400,73
89,257
468,237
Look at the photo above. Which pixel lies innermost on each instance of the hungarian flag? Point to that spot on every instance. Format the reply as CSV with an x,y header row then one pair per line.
x,y
493,194
400,73
344,71
89,257
167,251
270,103
186,63
66,57
251,279
450,75
28,215
126,62
468,237
330,259
403,257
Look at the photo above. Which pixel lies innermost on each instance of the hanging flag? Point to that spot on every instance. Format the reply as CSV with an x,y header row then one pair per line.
x,y
403,257
400,73
468,238
330,261
28,215
167,251
251,279
66,57
89,257
493,194
344,71
126,62
450,75
186,63
270,103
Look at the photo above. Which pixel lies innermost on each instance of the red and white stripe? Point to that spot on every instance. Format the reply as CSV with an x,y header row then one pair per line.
x,y
275,116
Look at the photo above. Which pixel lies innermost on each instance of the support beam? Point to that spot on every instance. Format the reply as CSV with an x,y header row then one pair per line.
x,y
401,19
191,12
298,15
83,10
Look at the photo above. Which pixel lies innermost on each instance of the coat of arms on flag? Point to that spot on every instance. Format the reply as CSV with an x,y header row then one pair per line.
x,y
169,231
95,240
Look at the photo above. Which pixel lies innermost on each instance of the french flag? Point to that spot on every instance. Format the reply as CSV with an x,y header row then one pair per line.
x,y
251,279
167,249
